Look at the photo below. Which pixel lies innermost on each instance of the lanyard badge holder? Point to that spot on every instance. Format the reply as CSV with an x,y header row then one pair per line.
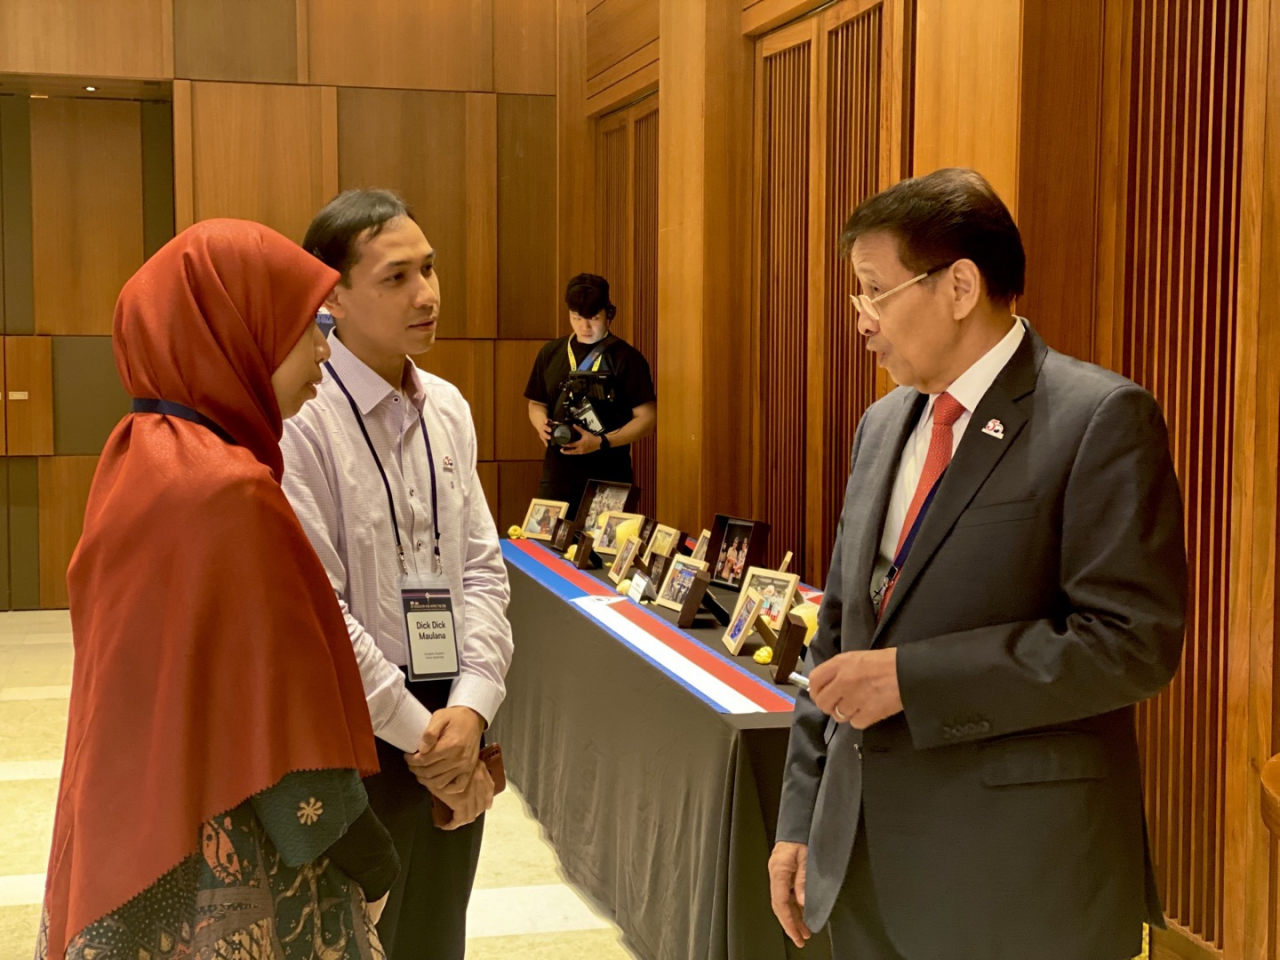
x,y
426,602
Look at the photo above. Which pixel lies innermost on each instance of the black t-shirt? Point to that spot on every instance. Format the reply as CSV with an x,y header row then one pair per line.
x,y
633,384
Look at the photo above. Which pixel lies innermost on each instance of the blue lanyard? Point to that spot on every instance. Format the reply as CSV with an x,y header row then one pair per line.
x,y
891,575
438,567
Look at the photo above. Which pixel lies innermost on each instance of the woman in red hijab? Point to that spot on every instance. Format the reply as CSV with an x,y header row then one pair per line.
x,y
211,802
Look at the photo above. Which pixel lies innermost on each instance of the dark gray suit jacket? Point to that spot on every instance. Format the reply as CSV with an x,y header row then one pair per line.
x,y
1043,598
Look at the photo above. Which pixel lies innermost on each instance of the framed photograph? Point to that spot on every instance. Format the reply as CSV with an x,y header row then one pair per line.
x,y
625,559
539,522
563,532
663,543
777,593
744,621
607,531
679,579
735,547
601,497
700,549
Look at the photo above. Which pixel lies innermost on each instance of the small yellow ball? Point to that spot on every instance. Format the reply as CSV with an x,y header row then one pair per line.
x,y
764,655
515,533
624,587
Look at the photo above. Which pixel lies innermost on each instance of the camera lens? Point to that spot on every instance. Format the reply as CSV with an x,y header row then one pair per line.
x,y
562,435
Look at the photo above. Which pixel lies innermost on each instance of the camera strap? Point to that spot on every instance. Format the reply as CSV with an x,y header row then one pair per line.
x,y
593,359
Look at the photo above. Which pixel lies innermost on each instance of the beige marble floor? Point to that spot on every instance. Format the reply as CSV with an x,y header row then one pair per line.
x,y
521,910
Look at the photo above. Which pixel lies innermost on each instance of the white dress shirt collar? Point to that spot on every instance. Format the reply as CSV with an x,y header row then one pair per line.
x,y
366,385
972,385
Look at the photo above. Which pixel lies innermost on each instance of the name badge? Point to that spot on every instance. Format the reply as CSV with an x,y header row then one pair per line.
x,y
430,631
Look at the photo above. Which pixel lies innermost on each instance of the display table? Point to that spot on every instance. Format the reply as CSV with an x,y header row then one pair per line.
x,y
652,759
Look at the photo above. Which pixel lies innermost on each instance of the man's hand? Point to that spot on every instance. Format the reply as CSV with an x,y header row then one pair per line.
x,y
786,889
586,443
859,688
544,432
476,798
448,751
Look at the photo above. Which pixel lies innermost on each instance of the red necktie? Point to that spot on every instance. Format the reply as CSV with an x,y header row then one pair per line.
x,y
946,411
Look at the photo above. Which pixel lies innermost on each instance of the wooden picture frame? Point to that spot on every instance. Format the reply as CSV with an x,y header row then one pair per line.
x,y
664,542
700,548
625,559
603,496
788,647
606,530
563,535
736,546
679,581
743,622
584,558
777,594
540,518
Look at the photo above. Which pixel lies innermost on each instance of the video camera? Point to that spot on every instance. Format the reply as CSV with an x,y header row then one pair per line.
x,y
575,406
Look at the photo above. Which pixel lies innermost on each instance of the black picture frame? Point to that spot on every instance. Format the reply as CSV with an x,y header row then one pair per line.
x,y
587,510
725,533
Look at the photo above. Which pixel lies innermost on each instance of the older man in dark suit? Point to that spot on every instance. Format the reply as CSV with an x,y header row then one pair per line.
x,y
1008,580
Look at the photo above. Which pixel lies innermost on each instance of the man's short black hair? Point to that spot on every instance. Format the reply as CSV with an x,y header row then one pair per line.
x,y
952,214
335,234
587,294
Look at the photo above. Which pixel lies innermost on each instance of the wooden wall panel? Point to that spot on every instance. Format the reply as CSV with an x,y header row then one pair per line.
x,y
517,485
786,80
853,95
87,241
761,16
575,151
94,38
528,296
644,284
18,307
88,398
1058,188
613,214
1251,898
28,364
259,152
244,40
410,44
630,78
616,29
524,46
383,138
966,102
704,201
469,366
1177,335
4,408
514,438
64,493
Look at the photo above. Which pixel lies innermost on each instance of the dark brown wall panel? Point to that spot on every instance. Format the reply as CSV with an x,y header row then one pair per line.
x,y
19,312
64,493
469,366
88,398
245,40
24,533
524,46
644,287
528,298
517,485
514,438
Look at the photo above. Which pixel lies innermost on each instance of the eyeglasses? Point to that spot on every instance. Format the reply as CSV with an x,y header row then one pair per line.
x,y
867,305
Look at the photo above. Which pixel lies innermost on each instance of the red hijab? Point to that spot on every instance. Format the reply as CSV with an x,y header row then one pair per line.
x,y
211,655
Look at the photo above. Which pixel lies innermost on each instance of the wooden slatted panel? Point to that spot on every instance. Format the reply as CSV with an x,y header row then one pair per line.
x,y
644,287
853,99
783,300
1179,341
613,170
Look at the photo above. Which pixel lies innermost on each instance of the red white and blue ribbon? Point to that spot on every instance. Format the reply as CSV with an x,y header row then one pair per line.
x,y
711,676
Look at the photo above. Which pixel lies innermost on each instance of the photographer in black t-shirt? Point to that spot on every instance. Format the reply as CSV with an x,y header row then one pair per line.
x,y
590,397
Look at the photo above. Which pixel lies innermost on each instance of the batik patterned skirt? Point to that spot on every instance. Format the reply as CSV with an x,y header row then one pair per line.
x,y
235,899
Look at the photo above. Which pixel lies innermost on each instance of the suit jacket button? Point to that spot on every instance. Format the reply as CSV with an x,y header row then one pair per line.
x,y
984,727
